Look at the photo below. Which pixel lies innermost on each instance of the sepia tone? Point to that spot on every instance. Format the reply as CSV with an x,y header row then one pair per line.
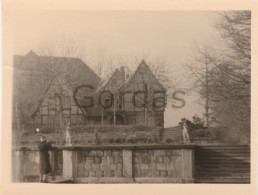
x,y
109,122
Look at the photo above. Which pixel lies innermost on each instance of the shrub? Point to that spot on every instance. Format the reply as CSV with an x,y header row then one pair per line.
x,y
200,133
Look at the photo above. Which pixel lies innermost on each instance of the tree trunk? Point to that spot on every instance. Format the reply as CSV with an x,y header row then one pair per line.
x,y
102,118
114,112
145,116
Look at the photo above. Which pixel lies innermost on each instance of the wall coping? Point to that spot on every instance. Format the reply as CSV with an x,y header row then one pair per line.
x,y
114,147
131,147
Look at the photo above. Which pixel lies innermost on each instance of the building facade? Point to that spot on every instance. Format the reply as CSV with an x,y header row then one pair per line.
x,y
54,91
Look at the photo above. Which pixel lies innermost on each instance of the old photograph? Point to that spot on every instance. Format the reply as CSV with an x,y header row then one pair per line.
x,y
131,97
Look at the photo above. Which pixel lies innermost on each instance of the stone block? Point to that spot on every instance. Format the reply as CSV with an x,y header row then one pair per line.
x,y
169,167
80,156
86,153
137,153
161,167
150,152
95,167
136,159
155,173
104,167
168,152
144,166
176,152
172,158
160,159
81,173
116,153
92,153
112,173
177,173
146,173
110,159
88,166
86,173
178,163
166,159
119,166
145,159
118,159
107,152
148,159
99,153
137,166
142,159
92,173
90,160
113,166
99,173
153,166
163,174
80,167
104,160
159,152
137,173
153,159
170,173
97,160
107,173
118,173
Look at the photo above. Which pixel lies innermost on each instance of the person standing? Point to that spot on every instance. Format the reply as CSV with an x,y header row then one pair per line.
x,y
44,161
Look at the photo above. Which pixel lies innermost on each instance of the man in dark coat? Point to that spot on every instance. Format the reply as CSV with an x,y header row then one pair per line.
x,y
44,161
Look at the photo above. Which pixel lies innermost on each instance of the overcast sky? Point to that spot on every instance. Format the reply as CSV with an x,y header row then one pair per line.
x,y
169,35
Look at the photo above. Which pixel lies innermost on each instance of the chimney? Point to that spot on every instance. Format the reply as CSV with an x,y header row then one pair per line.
x,y
122,71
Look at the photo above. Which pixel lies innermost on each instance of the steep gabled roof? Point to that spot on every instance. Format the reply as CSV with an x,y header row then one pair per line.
x,y
106,81
34,75
143,67
41,64
114,81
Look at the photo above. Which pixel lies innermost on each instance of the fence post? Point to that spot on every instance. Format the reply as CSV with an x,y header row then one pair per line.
x,y
128,164
18,172
188,165
70,164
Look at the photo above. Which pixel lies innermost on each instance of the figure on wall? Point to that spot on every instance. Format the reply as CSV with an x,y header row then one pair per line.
x,y
185,133
68,135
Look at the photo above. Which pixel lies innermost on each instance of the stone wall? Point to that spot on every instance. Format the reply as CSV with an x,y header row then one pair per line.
x,y
114,164
158,163
26,164
100,163
57,162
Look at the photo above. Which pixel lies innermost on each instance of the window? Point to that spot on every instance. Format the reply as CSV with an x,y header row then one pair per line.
x,y
159,119
66,103
44,110
65,90
51,103
66,121
44,120
52,112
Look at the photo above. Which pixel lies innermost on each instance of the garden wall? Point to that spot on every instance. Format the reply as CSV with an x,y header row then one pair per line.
x,y
114,164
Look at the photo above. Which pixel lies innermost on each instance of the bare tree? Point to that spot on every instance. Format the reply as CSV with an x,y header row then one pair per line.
x,y
225,83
